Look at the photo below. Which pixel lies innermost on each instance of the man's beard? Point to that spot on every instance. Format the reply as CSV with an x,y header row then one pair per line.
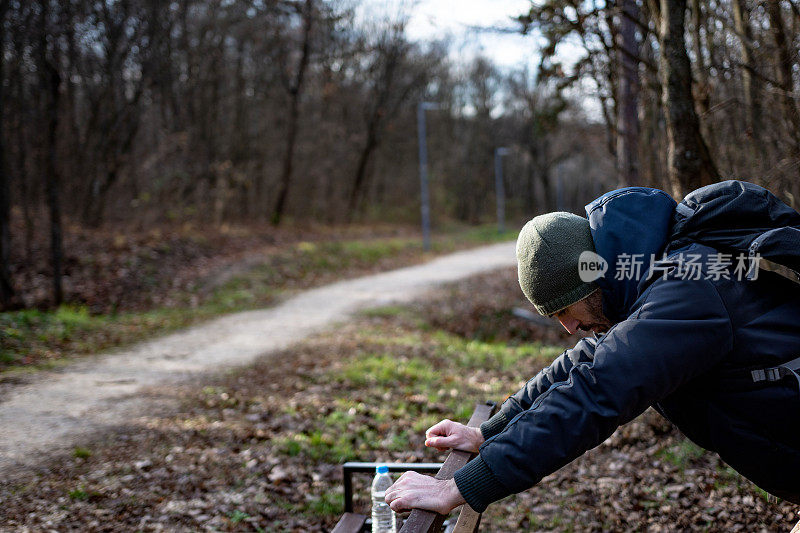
x,y
594,305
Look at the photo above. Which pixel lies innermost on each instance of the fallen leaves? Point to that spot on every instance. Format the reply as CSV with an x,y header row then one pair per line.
x,y
261,447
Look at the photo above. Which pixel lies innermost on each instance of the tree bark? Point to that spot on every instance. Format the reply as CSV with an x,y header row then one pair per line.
x,y
784,63
7,292
689,163
361,170
295,92
750,84
390,94
114,152
27,190
51,82
628,118
651,163
703,89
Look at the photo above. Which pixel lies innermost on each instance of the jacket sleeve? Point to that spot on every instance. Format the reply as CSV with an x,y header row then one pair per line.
x,y
583,352
680,331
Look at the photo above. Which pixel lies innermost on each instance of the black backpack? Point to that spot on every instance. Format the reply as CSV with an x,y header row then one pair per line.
x,y
738,217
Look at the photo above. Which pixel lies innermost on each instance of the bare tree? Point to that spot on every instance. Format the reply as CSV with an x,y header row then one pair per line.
x,y
51,94
539,105
395,73
785,65
7,293
628,117
295,89
689,162
750,83
702,91
114,107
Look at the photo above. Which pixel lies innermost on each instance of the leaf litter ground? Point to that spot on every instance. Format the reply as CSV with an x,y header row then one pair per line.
x,y
259,448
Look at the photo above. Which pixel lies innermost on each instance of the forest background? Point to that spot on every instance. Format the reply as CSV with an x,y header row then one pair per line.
x,y
145,132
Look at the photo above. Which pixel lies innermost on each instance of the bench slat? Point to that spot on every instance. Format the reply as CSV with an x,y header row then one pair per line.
x,y
420,521
468,520
350,523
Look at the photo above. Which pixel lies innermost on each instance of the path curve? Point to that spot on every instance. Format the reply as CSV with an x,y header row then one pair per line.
x,y
57,408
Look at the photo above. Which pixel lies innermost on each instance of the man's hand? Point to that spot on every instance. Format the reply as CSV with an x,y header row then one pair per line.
x,y
415,491
448,434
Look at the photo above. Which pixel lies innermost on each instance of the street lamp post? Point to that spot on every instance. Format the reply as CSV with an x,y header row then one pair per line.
x,y
499,189
559,189
425,207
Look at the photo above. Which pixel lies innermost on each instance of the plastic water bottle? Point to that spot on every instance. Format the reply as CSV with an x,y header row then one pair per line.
x,y
383,518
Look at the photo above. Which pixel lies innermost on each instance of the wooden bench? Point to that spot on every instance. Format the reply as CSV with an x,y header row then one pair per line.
x,y
420,521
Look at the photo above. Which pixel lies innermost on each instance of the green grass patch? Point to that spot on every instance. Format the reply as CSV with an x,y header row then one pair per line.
x,y
81,494
33,339
385,397
326,504
682,454
81,453
387,311
488,233
78,494
320,506
475,354
238,516
38,338
464,353
324,445
388,371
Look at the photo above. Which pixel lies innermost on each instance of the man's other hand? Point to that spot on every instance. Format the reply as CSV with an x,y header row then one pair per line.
x,y
416,491
448,434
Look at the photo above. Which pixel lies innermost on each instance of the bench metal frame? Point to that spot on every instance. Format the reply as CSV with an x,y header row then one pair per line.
x,y
419,521
369,468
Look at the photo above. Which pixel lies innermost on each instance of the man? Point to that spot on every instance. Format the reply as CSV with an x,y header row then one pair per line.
x,y
678,326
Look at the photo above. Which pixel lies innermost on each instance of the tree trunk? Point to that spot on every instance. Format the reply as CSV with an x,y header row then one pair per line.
x,y
651,161
547,188
785,74
7,293
295,92
128,123
528,207
51,82
703,90
752,90
26,189
540,168
750,84
358,190
628,110
689,163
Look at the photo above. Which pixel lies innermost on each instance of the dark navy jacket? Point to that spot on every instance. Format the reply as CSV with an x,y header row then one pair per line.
x,y
678,345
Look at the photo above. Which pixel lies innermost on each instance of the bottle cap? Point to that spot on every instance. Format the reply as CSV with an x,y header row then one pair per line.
x,y
382,469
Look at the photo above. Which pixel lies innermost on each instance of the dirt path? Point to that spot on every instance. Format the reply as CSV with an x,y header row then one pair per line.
x,y
57,408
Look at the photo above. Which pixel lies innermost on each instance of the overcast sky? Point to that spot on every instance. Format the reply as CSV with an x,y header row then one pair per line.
x,y
459,19
468,23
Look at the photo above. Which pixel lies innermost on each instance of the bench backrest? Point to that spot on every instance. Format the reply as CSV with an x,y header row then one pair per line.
x,y
420,521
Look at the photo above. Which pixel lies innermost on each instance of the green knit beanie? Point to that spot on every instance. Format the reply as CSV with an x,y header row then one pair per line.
x,y
548,248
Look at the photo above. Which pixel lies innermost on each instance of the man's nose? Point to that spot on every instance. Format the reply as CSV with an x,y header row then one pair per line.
x,y
570,324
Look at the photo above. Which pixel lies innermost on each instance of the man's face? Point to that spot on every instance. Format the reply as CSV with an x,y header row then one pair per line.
x,y
586,315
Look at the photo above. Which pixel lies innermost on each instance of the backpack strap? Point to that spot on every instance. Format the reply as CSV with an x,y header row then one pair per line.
x,y
777,373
